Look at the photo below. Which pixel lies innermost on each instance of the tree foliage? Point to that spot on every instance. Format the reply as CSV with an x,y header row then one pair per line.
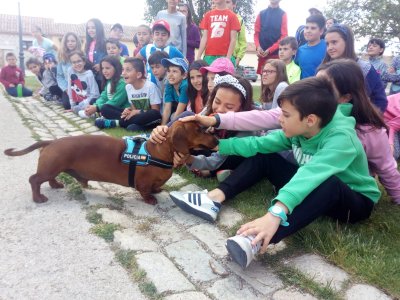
x,y
368,18
245,8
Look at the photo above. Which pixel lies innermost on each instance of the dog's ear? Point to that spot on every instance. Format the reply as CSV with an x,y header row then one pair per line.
x,y
180,138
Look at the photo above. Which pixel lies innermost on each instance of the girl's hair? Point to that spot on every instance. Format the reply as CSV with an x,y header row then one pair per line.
x,y
88,64
100,36
35,61
268,91
192,92
63,53
114,61
348,78
246,103
189,18
137,64
347,35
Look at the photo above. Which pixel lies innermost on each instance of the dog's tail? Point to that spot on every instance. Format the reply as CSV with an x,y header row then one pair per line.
x,y
37,145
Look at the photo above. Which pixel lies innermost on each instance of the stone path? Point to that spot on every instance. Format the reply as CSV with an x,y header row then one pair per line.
x,y
182,255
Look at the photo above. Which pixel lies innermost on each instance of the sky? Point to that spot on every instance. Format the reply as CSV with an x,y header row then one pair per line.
x,y
131,12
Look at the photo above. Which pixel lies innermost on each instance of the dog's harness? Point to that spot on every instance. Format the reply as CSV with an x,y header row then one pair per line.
x,y
136,154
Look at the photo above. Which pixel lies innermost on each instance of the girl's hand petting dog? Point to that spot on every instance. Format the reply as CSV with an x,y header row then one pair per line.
x,y
180,159
158,135
206,121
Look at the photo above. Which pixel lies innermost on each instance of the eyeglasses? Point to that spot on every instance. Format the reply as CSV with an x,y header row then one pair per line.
x,y
268,71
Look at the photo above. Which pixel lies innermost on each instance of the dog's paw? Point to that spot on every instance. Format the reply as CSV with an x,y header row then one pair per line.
x,y
150,200
40,199
54,184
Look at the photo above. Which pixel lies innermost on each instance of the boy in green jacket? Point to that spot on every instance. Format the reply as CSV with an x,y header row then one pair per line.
x,y
331,176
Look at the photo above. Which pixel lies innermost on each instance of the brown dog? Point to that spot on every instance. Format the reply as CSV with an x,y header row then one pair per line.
x,y
90,157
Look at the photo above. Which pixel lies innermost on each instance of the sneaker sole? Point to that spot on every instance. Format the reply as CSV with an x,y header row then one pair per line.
x,y
237,253
191,210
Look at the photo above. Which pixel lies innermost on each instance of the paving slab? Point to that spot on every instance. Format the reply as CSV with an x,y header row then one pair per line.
x,y
210,235
130,239
163,273
292,294
261,278
365,292
194,260
188,296
115,217
166,232
229,217
316,268
183,218
231,288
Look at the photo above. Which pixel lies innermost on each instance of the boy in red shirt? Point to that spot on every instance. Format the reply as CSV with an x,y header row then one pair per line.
x,y
220,28
11,76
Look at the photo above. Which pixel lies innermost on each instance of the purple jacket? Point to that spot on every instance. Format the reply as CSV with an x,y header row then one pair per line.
x,y
193,41
375,143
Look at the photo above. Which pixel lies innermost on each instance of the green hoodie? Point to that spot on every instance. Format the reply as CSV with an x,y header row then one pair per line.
x,y
334,151
118,99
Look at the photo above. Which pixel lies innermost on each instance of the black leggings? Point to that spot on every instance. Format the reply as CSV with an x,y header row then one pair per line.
x,y
65,100
332,198
149,118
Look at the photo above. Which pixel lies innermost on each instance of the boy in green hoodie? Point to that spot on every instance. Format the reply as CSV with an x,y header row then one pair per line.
x,y
331,176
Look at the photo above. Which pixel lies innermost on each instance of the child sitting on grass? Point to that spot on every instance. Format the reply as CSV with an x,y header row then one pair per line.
x,y
47,75
113,99
331,176
13,78
82,86
144,98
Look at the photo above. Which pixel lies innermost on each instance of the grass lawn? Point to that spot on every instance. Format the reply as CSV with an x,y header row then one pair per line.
x,y
370,250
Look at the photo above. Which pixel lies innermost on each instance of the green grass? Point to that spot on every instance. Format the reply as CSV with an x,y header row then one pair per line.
x,y
105,230
368,250
31,82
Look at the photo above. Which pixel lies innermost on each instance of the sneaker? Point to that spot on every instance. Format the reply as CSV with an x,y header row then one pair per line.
x,y
105,123
241,250
82,114
223,174
197,203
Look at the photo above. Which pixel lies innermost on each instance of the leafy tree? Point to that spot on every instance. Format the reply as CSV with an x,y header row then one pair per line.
x,y
200,7
368,18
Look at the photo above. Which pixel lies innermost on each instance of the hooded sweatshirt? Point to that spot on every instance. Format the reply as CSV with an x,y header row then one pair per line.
x,y
334,151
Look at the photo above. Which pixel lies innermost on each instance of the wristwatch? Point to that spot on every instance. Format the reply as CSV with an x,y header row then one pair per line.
x,y
278,211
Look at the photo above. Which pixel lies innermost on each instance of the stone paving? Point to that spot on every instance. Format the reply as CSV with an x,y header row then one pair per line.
x,y
182,255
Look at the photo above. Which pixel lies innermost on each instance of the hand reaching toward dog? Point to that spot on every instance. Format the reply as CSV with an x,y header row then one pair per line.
x,y
180,159
158,134
206,121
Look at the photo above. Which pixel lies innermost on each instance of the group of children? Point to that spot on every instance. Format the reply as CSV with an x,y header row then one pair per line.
x,y
327,149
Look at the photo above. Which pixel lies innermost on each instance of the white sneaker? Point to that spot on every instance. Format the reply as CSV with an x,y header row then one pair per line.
x,y
197,203
241,250
82,114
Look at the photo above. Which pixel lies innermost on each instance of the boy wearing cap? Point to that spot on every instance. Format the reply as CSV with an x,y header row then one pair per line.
x,y
49,79
220,28
160,33
117,32
177,23
175,94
